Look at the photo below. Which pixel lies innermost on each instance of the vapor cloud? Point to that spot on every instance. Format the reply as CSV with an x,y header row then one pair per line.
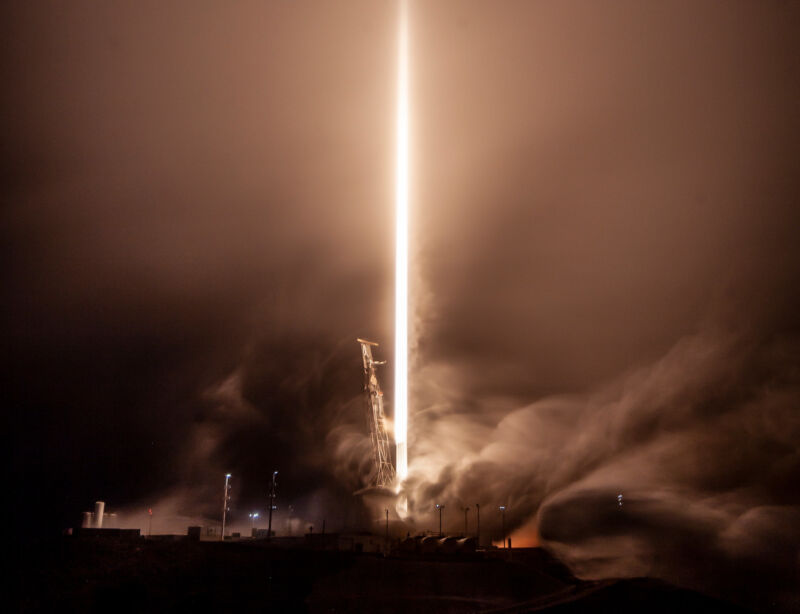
x,y
701,444
196,224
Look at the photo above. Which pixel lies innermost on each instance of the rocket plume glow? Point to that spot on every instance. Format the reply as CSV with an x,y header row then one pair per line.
x,y
401,257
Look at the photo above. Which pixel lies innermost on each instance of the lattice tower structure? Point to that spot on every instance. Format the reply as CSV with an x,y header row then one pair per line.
x,y
385,472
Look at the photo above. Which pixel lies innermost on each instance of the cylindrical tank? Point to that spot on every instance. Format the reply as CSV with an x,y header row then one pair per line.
x,y
99,509
408,545
448,545
429,544
466,544
87,521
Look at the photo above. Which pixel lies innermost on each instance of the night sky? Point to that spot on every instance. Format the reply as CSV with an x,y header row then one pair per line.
x,y
197,222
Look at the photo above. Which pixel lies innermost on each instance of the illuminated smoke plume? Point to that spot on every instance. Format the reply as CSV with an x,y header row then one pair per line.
x,y
197,229
702,444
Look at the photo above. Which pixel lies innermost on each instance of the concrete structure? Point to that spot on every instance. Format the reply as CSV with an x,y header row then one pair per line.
x,y
108,534
435,545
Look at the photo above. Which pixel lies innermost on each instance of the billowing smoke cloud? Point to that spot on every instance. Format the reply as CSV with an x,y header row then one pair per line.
x,y
294,405
701,444
197,224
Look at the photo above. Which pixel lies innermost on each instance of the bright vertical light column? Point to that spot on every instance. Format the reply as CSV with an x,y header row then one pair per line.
x,y
401,256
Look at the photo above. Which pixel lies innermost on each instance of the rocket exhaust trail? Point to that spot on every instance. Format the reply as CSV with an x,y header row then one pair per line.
x,y
401,257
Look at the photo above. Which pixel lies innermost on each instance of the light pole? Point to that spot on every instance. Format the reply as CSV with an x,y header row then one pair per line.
x,y
503,511
225,500
440,507
271,502
387,530
253,516
466,509
478,530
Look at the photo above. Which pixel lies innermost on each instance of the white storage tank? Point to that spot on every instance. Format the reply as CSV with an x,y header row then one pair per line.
x,y
99,509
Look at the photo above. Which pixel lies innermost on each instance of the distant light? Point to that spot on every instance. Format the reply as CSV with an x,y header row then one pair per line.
x,y
619,499
227,475
502,508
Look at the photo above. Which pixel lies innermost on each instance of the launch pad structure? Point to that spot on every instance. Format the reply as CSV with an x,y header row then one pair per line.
x,y
384,468
389,476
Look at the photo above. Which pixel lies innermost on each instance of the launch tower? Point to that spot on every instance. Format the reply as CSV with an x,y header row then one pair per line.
x,y
385,472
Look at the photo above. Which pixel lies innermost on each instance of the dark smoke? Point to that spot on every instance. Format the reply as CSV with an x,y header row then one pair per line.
x,y
196,224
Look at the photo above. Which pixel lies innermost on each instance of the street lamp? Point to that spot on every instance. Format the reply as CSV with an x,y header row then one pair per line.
x,y
478,530
503,511
272,502
440,507
225,500
466,509
253,516
387,529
